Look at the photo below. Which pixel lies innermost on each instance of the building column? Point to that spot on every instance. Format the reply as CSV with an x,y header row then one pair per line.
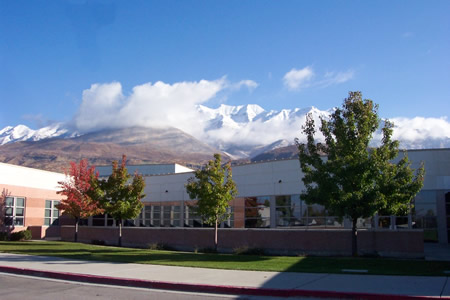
x,y
393,223
273,212
376,220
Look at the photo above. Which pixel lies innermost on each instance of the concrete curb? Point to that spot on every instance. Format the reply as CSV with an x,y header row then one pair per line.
x,y
204,288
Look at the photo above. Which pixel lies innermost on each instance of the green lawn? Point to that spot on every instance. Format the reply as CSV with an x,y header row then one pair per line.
x,y
228,261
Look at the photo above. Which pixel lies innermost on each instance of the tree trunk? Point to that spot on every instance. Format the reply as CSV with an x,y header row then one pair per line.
x,y
215,236
120,233
77,220
354,237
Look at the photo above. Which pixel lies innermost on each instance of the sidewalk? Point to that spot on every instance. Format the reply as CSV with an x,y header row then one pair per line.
x,y
229,281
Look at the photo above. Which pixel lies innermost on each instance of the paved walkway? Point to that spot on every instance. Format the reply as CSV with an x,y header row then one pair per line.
x,y
435,251
229,281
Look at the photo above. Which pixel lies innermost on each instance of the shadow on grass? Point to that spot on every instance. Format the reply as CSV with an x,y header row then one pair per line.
x,y
308,264
130,255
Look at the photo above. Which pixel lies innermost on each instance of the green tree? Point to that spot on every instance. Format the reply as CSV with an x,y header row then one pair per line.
x,y
347,176
120,198
214,188
78,190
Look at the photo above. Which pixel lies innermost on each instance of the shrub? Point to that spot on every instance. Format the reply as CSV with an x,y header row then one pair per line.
x,y
4,236
98,242
27,235
245,250
207,250
159,246
20,235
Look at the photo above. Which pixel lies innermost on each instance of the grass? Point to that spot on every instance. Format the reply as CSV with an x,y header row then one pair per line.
x,y
305,264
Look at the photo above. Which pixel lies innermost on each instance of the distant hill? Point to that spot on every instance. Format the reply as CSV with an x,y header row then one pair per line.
x,y
243,133
288,152
141,145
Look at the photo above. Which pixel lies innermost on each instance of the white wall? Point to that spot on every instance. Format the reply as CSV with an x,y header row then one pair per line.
x,y
257,179
263,179
437,167
28,177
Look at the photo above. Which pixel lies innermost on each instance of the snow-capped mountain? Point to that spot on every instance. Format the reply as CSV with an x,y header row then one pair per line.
x,y
249,130
20,133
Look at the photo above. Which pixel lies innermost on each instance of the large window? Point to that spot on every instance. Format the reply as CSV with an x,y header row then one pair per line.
x,y
145,218
14,211
160,215
424,215
171,215
257,212
230,222
156,215
102,220
290,210
51,216
191,219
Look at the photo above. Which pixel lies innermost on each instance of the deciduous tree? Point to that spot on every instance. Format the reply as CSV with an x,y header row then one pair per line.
x,y
214,188
120,198
346,175
78,190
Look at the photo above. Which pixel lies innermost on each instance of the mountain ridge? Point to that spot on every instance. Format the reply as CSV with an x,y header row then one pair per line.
x,y
102,147
239,132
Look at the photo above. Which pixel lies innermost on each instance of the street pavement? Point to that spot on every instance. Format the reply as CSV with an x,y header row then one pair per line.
x,y
276,284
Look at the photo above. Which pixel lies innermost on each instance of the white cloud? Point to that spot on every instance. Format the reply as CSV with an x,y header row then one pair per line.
x,y
297,79
419,133
332,78
250,84
99,106
150,104
175,105
303,78
419,128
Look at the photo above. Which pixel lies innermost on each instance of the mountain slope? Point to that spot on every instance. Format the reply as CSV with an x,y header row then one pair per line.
x,y
141,145
242,132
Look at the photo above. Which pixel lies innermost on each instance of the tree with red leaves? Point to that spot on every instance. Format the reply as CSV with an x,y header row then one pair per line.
x,y
78,189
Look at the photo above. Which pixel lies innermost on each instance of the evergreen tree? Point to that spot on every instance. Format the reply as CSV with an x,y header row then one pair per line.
x,y
120,198
347,176
214,188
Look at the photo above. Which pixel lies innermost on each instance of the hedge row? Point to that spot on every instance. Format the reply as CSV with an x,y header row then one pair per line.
x,y
16,236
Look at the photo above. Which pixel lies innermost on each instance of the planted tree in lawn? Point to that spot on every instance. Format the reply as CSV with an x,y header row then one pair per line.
x,y
214,188
120,195
78,190
347,176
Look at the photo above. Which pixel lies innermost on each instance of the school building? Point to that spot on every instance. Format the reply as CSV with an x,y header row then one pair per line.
x,y
268,201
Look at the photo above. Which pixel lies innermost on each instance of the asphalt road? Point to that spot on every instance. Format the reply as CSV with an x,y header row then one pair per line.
x,y
18,287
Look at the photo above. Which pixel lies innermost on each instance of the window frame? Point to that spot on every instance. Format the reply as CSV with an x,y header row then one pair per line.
x,y
52,219
11,220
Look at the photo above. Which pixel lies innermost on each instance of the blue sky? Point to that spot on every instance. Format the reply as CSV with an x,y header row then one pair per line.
x,y
278,54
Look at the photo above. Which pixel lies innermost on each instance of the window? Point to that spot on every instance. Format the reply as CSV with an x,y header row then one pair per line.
x,y
230,222
156,215
145,218
288,210
14,211
102,220
257,212
171,215
51,216
292,211
151,216
191,219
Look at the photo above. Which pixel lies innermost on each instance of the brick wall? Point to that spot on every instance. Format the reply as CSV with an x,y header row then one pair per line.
x,y
388,243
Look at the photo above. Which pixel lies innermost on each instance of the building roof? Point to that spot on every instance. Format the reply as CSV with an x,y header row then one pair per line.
x,y
147,169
